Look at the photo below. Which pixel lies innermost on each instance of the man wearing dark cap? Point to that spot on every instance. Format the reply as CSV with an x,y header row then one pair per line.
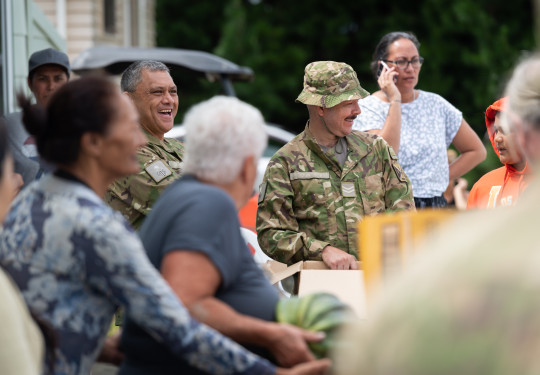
x,y
48,70
318,186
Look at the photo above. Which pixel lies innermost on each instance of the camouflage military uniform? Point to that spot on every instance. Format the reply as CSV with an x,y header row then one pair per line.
x,y
160,162
308,201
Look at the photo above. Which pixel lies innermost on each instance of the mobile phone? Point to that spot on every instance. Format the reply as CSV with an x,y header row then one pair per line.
x,y
384,64
381,65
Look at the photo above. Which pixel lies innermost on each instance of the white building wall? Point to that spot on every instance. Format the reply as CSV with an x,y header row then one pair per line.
x,y
29,31
85,23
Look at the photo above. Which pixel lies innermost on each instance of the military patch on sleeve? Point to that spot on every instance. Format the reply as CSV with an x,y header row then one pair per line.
x,y
348,190
399,171
262,191
158,171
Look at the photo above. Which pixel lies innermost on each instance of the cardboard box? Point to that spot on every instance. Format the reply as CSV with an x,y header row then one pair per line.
x,y
315,276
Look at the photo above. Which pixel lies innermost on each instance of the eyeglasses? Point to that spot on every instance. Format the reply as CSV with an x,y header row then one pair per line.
x,y
403,63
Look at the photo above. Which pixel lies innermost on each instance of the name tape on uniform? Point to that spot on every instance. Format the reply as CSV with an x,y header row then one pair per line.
x,y
309,175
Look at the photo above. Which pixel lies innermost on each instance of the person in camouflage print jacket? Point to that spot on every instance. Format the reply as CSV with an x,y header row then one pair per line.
x,y
152,90
135,195
319,186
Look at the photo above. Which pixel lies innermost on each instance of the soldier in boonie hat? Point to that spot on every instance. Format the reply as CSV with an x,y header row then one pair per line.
x,y
328,83
318,186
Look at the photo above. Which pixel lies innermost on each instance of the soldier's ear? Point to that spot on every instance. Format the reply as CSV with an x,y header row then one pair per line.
x,y
126,93
320,111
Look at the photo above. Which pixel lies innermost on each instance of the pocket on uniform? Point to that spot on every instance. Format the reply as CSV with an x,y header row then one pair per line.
x,y
373,195
311,193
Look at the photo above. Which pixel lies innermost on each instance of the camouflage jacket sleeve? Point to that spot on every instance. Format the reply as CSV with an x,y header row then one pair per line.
x,y
398,187
134,196
307,201
278,231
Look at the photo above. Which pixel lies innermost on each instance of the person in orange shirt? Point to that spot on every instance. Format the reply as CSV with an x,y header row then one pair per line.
x,y
502,186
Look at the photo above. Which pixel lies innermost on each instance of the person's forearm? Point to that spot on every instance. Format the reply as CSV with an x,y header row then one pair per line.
x,y
241,328
200,345
272,240
465,162
471,149
391,130
278,231
150,303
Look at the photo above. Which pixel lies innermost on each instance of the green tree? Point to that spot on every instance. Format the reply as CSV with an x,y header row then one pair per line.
x,y
469,46
190,25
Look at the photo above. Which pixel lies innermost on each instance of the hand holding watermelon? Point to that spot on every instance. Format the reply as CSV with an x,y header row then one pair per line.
x,y
317,312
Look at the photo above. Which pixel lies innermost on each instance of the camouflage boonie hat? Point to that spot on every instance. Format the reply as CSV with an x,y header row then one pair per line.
x,y
328,83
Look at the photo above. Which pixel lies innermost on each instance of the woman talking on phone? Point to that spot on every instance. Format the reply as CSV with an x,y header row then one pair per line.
x,y
419,125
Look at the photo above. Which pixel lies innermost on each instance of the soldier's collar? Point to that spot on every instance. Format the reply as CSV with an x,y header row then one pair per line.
x,y
311,137
311,142
152,139
357,147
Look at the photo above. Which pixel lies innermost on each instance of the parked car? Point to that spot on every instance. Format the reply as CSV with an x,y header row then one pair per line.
x,y
114,60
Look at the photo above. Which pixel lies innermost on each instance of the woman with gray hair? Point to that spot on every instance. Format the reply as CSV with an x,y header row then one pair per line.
x,y
193,237
76,260
523,112
218,157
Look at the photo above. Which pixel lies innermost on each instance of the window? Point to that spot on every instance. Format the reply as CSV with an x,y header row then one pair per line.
x,y
134,18
109,19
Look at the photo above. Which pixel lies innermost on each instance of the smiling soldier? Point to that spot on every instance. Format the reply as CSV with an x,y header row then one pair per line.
x,y
318,186
152,90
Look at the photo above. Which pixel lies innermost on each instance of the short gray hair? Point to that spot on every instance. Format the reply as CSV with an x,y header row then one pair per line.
x,y
220,134
523,91
132,75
